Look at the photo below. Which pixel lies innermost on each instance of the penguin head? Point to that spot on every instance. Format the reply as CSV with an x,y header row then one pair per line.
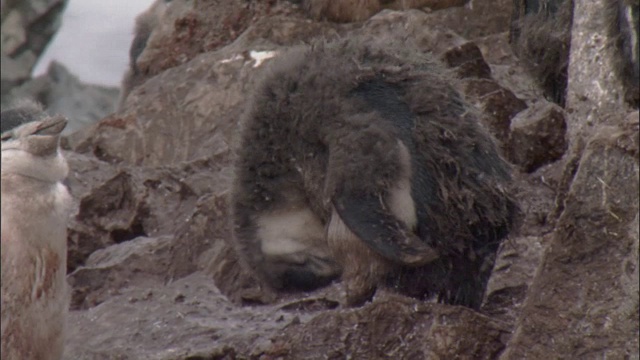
x,y
30,141
39,138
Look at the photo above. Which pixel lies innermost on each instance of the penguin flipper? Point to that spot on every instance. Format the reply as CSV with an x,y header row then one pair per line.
x,y
367,218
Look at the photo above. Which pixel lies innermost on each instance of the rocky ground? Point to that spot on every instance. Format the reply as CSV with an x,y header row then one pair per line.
x,y
150,262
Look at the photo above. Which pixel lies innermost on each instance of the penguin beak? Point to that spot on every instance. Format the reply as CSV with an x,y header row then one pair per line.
x,y
51,126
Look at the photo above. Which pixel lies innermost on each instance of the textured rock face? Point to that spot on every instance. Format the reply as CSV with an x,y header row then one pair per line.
x,y
538,136
155,278
27,27
578,274
420,331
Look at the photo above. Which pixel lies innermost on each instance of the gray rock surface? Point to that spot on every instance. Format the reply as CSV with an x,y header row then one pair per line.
x,y
583,302
595,86
188,319
538,136
108,270
191,319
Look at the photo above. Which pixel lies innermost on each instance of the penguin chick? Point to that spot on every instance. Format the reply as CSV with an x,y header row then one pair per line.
x,y
35,208
358,158
146,22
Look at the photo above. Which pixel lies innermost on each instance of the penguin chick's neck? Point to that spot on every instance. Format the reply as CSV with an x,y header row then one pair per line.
x,y
52,168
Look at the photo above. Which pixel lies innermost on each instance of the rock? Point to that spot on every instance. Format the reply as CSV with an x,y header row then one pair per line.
x,y
468,61
27,27
596,87
85,173
191,28
188,319
212,85
583,302
205,229
512,273
499,104
125,203
538,136
107,271
420,331
191,319
520,255
61,92
353,11
628,26
476,19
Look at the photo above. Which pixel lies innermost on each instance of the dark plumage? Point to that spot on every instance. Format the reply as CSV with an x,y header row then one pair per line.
x,y
358,158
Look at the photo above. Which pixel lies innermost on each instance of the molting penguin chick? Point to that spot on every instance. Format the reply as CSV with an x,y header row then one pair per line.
x,y
358,158
35,209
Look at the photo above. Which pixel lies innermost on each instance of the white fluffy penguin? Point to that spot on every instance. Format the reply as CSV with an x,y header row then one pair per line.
x,y
358,159
35,211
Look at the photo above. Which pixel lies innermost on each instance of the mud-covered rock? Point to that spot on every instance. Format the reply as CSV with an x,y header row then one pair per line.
x,y
498,103
106,271
512,274
127,202
538,136
596,86
187,319
468,61
476,19
190,28
190,319
353,11
420,331
583,302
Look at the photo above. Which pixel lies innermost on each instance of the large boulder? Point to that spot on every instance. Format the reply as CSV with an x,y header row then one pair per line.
x,y
584,299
